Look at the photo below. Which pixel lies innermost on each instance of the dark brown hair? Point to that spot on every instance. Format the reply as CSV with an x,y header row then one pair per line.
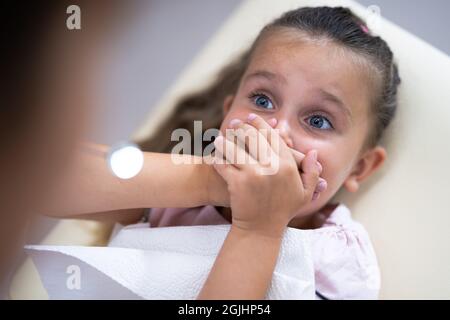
x,y
335,23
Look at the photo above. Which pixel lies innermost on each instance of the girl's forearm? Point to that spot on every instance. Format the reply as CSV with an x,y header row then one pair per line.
x,y
89,186
244,267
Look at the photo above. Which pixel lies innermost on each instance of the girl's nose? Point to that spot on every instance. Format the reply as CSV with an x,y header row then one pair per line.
x,y
283,126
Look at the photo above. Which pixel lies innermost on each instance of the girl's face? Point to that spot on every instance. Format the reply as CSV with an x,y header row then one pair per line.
x,y
320,97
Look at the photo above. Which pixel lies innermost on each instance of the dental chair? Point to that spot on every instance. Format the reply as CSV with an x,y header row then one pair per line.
x,y
403,206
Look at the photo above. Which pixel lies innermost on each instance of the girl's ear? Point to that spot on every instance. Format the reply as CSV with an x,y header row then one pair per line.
x,y
227,102
367,165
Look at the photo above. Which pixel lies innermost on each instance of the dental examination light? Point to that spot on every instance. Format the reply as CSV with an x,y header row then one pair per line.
x,y
125,159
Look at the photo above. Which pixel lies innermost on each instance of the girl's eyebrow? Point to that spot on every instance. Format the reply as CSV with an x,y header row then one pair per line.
x,y
266,75
336,101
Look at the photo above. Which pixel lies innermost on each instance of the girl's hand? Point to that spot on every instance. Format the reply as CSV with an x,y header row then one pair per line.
x,y
267,189
216,189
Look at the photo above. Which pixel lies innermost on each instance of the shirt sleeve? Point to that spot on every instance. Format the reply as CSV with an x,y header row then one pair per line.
x,y
345,264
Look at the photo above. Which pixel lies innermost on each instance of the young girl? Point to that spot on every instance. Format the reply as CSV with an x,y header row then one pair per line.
x,y
326,88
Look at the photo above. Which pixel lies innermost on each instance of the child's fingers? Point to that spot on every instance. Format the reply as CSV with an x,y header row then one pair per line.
x,y
223,167
261,125
310,175
233,153
320,167
322,183
254,139
321,187
298,157
222,149
218,157
225,170
257,145
275,141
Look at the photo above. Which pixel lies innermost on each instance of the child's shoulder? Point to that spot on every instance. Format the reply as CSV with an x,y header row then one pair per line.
x,y
345,261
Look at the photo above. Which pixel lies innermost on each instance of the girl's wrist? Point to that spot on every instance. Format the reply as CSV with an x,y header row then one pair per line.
x,y
215,188
263,233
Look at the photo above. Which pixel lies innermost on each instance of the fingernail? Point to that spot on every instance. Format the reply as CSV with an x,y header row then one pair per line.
x,y
234,122
315,195
251,117
273,122
321,186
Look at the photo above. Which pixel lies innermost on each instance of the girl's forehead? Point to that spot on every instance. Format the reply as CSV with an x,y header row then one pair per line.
x,y
320,61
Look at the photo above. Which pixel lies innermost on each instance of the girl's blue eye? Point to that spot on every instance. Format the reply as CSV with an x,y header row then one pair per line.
x,y
320,122
262,101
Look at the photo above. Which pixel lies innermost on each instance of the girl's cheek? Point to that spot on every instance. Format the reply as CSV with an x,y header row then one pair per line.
x,y
328,154
304,143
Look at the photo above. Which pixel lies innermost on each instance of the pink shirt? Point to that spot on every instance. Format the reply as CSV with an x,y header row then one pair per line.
x,y
344,260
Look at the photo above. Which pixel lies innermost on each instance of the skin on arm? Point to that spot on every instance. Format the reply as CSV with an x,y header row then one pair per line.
x,y
244,267
124,216
90,187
